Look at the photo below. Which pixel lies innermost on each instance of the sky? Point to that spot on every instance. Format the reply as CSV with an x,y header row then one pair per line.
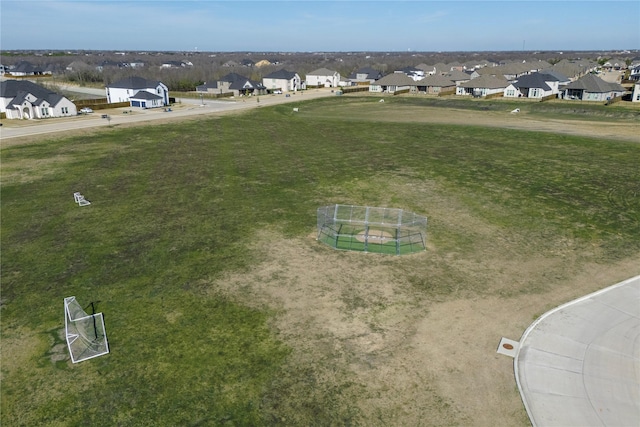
x,y
319,26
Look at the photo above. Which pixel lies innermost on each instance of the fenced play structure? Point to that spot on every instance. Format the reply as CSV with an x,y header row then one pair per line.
x,y
372,229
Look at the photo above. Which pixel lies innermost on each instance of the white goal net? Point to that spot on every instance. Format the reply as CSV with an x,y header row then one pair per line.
x,y
86,335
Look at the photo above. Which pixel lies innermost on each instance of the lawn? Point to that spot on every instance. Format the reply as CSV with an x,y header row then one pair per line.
x,y
197,249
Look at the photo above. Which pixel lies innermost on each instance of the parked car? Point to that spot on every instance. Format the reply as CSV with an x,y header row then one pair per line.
x,y
86,110
277,92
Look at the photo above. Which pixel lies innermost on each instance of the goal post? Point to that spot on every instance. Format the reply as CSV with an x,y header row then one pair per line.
x,y
85,333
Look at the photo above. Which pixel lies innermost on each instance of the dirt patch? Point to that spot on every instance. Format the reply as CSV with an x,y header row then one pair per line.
x,y
374,236
397,354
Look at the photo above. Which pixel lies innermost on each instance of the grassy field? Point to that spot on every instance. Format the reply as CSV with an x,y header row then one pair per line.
x,y
197,249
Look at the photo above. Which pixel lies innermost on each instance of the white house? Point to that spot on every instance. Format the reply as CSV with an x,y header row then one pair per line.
x,y
323,78
144,99
591,88
536,85
126,90
22,99
482,86
635,97
283,80
392,83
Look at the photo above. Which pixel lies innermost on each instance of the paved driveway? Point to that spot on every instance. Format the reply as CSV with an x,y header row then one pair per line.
x,y
579,364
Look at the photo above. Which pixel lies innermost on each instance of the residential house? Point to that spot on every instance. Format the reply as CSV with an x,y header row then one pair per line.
x,y
77,66
591,88
534,85
635,96
482,86
22,99
634,73
25,68
435,85
413,72
511,71
364,76
209,87
323,77
562,79
233,83
176,64
392,83
144,99
126,90
458,77
428,69
615,64
283,80
574,69
106,64
441,68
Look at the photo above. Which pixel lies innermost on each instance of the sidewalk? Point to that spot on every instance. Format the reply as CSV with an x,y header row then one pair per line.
x,y
579,364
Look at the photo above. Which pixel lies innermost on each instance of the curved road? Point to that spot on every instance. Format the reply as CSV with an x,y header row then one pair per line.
x,y
579,364
185,107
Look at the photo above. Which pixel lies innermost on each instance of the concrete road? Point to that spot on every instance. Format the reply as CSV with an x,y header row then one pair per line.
x,y
184,107
579,364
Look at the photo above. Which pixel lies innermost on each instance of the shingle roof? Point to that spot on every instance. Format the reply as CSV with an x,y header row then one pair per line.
x,y
557,74
17,90
322,72
281,74
238,82
134,83
370,73
143,94
594,84
436,81
456,75
395,79
535,80
486,81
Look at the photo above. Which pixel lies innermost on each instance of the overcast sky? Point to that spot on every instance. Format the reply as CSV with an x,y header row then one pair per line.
x,y
299,26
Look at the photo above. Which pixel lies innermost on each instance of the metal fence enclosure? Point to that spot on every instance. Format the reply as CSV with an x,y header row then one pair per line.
x,y
372,229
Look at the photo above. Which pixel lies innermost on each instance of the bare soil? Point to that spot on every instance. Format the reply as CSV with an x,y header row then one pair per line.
x,y
395,355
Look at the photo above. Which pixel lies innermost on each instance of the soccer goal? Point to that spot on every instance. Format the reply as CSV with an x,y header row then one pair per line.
x,y
85,333
372,229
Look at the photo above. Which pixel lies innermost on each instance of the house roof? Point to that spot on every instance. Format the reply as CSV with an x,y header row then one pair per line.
x,y
395,79
17,90
143,94
594,84
26,68
281,74
238,82
436,81
322,72
486,81
535,80
456,75
368,71
207,85
135,83
555,73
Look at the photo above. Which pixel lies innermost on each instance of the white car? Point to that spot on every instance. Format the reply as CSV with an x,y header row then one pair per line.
x,y
86,110
277,92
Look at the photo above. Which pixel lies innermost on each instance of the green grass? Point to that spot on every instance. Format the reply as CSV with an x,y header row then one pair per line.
x,y
175,207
